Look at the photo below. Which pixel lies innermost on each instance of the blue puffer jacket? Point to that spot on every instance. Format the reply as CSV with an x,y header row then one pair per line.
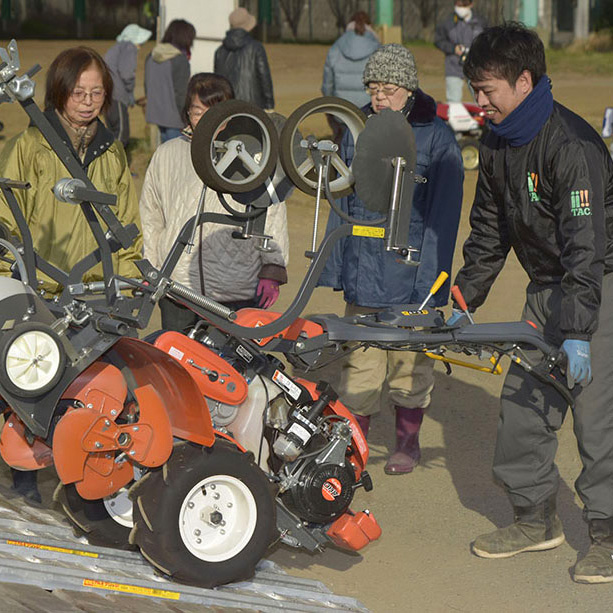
x,y
368,275
345,65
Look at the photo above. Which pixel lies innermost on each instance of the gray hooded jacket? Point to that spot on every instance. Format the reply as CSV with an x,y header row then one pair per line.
x,y
345,65
166,79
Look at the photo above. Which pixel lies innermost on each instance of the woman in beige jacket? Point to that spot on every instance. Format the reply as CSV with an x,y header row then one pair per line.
x,y
232,272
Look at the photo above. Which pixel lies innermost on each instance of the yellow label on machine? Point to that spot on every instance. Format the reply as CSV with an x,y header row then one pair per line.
x,y
369,231
74,552
131,589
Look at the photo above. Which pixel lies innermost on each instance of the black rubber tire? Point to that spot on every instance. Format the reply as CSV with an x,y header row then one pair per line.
x,y
6,341
325,104
470,154
157,507
202,142
90,518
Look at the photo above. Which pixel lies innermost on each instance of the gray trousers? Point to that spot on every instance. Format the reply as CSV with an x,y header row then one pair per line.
x,y
532,412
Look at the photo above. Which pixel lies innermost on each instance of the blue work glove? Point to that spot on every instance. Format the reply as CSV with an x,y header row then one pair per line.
x,y
579,365
457,318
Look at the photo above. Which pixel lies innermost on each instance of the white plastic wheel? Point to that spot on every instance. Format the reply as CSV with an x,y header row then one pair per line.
x,y
217,518
32,360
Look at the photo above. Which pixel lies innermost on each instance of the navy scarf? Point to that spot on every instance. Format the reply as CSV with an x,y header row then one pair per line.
x,y
525,122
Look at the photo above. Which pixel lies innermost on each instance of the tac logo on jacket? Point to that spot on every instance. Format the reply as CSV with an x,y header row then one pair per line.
x,y
533,181
580,202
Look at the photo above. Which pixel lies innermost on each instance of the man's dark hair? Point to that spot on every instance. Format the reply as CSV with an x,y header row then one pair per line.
x,y
504,52
181,34
65,71
210,88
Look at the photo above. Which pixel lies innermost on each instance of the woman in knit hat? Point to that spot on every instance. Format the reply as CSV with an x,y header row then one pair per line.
x,y
121,60
372,278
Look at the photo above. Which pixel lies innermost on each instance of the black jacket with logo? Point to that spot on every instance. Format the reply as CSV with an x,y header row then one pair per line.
x,y
242,60
552,202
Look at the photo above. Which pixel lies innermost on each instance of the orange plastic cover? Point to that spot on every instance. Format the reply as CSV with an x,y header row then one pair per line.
x,y
17,452
354,532
255,318
228,387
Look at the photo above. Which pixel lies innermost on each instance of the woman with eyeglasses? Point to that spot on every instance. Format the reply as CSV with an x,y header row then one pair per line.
x,y
79,88
232,272
373,278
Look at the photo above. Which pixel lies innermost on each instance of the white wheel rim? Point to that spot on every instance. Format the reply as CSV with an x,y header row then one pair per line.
x,y
217,518
236,150
119,507
32,360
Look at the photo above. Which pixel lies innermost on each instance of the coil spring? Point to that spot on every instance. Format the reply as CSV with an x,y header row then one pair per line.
x,y
202,301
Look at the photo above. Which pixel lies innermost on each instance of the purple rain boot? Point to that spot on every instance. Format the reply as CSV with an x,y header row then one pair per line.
x,y
364,422
407,454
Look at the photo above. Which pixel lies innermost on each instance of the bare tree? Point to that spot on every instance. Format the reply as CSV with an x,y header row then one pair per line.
x,y
293,11
343,11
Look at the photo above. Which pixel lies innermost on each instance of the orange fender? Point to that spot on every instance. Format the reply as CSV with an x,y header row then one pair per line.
x,y
187,410
17,452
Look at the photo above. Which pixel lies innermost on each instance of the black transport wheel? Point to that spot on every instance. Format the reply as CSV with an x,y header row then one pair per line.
x,y
298,162
106,523
235,147
206,517
470,154
32,359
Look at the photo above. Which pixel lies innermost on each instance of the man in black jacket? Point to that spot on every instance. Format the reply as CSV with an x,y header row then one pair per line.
x,y
242,60
545,189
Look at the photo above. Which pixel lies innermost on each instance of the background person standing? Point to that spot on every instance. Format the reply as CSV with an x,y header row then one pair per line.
x,y
453,36
166,76
121,60
228,270
79,88
345,64
242,60
372,279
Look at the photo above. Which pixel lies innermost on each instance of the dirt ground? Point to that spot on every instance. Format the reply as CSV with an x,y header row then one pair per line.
x,y
422,562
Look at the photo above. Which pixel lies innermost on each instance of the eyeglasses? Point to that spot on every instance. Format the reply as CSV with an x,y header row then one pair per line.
x,y
79,95
196,112
387,90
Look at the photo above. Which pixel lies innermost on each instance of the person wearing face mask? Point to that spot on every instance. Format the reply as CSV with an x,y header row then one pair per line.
x,y
230,271
453,36
372,278
545,190
79,88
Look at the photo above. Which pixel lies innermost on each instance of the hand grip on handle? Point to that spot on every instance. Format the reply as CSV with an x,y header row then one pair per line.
x,y
457,295
443,276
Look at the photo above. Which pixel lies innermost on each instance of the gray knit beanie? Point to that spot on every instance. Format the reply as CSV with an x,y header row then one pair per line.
x,y
393,64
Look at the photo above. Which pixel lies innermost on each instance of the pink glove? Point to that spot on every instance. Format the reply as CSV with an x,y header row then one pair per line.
x,y
268,292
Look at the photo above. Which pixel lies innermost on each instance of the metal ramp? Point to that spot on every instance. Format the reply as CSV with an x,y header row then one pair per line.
x,y
49,556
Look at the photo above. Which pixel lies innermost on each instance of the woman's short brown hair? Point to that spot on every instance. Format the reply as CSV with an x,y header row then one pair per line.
x,y
65,71
181,34
210,88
